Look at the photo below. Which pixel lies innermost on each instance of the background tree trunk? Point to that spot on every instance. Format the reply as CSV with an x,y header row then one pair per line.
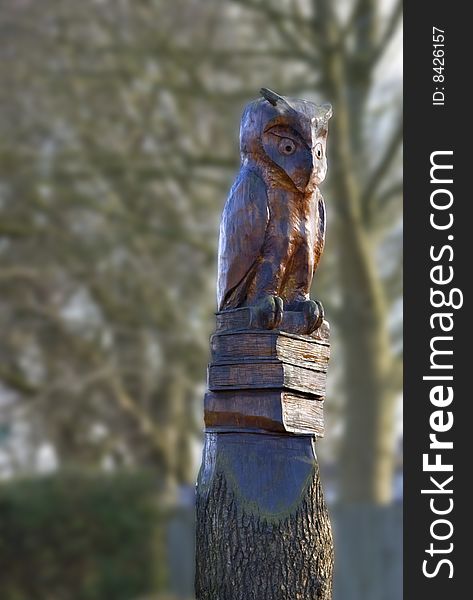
x,y
366,457
365,536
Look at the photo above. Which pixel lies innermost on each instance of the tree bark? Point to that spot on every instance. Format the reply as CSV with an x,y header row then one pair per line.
x,y
263,529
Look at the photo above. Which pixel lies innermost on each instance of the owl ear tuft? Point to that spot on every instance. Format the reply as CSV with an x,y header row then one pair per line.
x,y
271,96
276,100
327,111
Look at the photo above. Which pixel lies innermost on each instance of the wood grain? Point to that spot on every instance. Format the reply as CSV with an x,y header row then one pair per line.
x,y
269,344
266,374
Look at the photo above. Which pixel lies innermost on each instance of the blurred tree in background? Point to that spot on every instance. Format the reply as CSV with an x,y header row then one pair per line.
x,y
118,142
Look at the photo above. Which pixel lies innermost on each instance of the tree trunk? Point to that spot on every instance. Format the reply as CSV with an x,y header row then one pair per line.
x,y
367,458
262,525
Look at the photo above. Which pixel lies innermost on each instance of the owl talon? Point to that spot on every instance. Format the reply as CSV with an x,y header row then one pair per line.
x,y
269,312
314,314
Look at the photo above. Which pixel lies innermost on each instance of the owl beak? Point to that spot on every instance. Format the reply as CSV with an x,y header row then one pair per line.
x,y
300,177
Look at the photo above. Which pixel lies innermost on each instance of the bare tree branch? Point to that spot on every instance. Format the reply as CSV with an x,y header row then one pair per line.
x,y
389,32
383,166
16,381
288,24
275,14
390,193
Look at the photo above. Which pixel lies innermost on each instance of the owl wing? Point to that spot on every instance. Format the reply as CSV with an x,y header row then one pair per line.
x,y
242,232
320,237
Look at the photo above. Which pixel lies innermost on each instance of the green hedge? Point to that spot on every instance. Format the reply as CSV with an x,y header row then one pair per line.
x,y
79,537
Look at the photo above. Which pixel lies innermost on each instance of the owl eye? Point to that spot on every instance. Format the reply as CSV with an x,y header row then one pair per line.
x,y
286,146
319,152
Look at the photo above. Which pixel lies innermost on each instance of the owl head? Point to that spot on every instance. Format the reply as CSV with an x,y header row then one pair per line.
x,y
288,133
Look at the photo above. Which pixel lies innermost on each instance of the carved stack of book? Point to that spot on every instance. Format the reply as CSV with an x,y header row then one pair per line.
x,y
266,380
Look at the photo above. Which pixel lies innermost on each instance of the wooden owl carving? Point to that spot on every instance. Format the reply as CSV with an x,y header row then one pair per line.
x,y
273,224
